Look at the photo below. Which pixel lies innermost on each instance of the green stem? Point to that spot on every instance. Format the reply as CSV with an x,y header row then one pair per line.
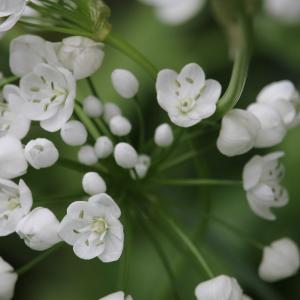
x,y
123,46
38,259
139,112
8,80
92,87
57,199
197,182
93,131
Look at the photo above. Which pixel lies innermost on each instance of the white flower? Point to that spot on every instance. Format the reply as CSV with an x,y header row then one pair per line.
x,y
284,98
104,147
238,132
111,110
10,13
8,279
28,51
12,123
261,180
221,287
15,203
93,107
142,166
125,83
163,136
120,126
93,184
87,155
94,229
272,129
187,97
39,229
280,260
175,12
41,153
74,133
125,156
80,55
117,296
12,159
46,95
284,10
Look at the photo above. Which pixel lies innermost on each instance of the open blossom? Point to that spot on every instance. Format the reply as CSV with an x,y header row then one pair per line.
x,y
12,159
93,228
174,12
261,180
41,153
187,97
15,203
221,287
39,229
284,98
8,279
80,55
46,95
280,260
117,296
10,13
284,10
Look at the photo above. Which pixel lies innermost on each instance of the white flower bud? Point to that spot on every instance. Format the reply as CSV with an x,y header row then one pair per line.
x,y
74,133
41,153
238,132
117,296
111,110
221,287
125,83
280,260
8,279
120,126
163,136
93,107
39,229
93,184
125,156
104,147
12,159
87,155
142,166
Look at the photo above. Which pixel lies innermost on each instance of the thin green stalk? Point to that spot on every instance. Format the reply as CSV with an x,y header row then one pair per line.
x,y
93,131
139,112
197,182
92,87
60,199
38,259
8,80
127,49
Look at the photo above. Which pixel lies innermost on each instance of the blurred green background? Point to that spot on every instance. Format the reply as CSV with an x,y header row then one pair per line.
x,y
63,276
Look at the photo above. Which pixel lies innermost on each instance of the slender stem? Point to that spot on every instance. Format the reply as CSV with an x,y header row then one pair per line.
x,y
127,49
197,182
92,87
38,259
8,80
93,131
138,108
57,199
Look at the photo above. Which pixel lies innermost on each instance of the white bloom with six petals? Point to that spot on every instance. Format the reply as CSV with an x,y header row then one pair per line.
x,y
187,97
8,279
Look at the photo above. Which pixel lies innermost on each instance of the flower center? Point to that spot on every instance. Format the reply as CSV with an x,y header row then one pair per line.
x,y
13,203
99,226
186,105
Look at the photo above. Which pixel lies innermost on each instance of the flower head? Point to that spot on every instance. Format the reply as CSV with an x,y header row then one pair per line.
x,y
8,279
94,229
187,97
280,260
261,178
15,203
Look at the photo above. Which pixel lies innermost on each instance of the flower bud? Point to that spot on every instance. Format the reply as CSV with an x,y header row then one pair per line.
x,y
74,133
238,132
125,83
120,126
12,159
111,110
163,136
8,279
125,156
93,107
117,296
142,166
280,260
41,153
221,287
39,229
93,184
104,147
87,155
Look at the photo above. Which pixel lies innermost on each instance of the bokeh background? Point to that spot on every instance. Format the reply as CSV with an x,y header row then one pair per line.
x,y
63,276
